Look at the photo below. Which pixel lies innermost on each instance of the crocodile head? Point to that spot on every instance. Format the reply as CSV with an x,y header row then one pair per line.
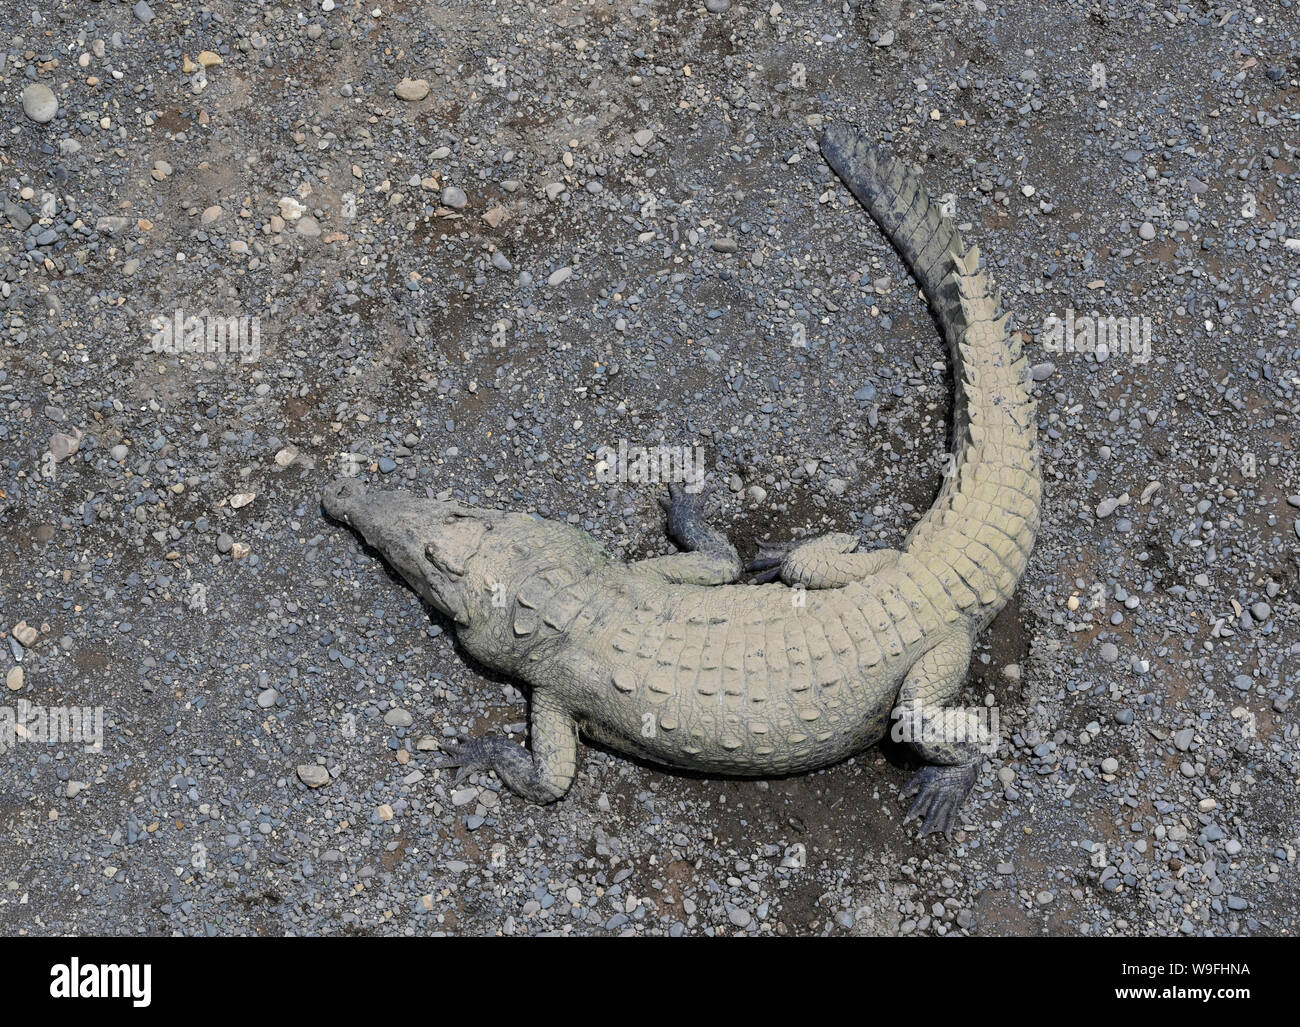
x,y
451,554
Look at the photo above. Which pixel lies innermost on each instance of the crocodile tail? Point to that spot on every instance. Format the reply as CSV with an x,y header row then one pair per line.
x,y
977,536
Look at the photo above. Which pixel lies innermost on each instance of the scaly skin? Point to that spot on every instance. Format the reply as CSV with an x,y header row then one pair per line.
x,y
673,660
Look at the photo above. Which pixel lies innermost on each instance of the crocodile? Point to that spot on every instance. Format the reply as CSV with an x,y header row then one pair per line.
x,y
678,660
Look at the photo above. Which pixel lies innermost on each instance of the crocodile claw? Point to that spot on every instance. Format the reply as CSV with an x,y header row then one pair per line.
x,y
465,757
939,791
682,501
685,509
767,565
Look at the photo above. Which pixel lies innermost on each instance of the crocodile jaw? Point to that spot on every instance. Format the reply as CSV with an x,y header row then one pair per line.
x,y
429,543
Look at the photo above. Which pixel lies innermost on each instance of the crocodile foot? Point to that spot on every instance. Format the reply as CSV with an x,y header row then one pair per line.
x,y
468,756
827,561
686,524
767,565
518,769
940,791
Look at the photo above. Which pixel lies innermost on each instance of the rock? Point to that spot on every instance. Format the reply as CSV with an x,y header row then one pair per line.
x,y
454,198
1109,765
725,245
142,12
494,217
313,775
26,634
643,138
211,215
1109,652
40,103
22,221
717,6
14,679
113,224
64,444
559,277
267,698
398,718
241,499
412,90
291,209
1147,231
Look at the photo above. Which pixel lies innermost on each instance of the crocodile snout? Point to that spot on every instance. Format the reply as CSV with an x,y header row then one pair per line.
x,y
341,496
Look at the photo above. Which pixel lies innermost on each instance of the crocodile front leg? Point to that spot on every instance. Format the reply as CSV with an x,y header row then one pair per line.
x,y
711,560
951,741
542,775
828,561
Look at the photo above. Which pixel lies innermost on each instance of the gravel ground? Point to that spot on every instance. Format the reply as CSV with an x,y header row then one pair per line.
x,y
480,241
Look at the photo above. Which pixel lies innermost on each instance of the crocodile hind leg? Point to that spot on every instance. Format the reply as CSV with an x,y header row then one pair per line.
x,y
710,560
542,775
828,561
951,741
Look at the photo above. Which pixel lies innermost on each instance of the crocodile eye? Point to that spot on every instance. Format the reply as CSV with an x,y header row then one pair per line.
x,y
444,561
